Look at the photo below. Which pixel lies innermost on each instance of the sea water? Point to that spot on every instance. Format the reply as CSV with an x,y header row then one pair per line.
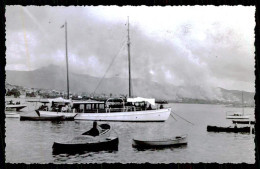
x,y
31,141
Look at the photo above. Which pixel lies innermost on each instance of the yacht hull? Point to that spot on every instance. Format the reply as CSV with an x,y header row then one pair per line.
x,y
50,113
134,116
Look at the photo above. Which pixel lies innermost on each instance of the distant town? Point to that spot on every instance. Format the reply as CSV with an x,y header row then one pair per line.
x,y
15,91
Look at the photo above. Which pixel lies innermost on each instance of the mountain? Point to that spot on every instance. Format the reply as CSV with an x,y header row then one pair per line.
x,y
54,78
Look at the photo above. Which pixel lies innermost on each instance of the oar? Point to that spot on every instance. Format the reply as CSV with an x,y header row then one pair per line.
x,y
37,111
182,118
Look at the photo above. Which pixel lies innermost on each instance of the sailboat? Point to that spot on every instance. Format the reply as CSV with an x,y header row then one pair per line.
x,y
118,109
238,115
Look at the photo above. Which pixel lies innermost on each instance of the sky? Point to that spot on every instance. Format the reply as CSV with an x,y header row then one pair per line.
x,y
205,46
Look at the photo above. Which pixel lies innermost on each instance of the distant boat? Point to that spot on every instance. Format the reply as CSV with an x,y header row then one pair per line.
x,y
160,142
12,115
238,115
10,106
106,140
243,122
229,129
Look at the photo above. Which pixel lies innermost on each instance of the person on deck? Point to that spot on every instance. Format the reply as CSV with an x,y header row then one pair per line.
x,y
149,107
161,106
94,131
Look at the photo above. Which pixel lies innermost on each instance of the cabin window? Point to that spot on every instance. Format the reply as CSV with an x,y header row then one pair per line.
x,y
88,107
81,108
101,106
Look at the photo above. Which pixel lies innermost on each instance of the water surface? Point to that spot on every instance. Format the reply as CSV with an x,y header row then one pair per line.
x,y
31,141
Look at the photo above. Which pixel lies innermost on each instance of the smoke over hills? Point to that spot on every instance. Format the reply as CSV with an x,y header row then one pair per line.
x,y
54,78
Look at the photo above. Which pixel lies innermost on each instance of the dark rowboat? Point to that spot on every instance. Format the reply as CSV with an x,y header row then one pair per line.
x,y
42,118
105,141
160,143
228,129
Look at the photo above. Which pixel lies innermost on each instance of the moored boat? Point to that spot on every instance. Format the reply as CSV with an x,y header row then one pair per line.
x,y
42,118
243,122
161,142
59,106
133,110
17,107
229,129
237,115
12,115
116,109
106,140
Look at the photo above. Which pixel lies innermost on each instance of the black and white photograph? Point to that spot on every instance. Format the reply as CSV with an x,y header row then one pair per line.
x,y
130,84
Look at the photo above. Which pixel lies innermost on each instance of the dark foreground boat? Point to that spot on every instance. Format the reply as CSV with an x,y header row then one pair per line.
x,y
105,141
229,129
160,143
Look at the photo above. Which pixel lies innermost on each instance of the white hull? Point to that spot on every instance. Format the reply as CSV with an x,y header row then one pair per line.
x,y
142,116
237,117
14,107
12,115
50,113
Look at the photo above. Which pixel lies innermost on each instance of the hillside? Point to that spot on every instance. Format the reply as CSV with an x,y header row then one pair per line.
x,y
54,78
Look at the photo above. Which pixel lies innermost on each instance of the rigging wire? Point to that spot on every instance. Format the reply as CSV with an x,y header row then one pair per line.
x,y
182,118
122,46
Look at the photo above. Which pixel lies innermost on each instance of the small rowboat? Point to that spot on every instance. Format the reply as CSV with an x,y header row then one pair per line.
x,y
105,141
164,142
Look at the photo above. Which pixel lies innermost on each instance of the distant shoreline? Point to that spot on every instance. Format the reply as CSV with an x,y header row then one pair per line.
x,y
195,101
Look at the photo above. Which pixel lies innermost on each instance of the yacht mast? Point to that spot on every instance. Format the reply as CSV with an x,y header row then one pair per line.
x,y
242,102
129,60
66,44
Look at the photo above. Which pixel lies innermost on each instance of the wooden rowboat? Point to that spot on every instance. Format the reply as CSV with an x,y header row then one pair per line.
x,y
105,141
164,142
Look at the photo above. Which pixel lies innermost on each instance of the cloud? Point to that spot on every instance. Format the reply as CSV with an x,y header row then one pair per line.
x,y
182,46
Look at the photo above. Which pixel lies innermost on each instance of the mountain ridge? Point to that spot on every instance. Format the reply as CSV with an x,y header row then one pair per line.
x,y
54,78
